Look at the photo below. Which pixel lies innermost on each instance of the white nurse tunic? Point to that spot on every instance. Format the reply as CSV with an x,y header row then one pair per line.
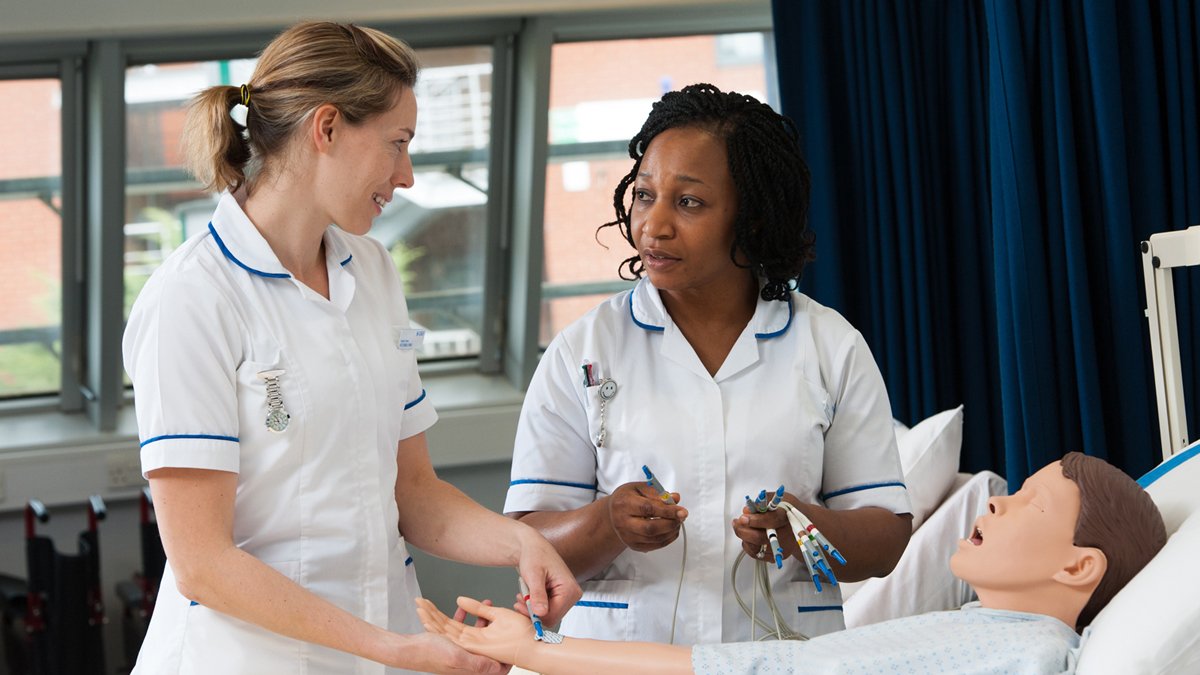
x,y
315,501
799,401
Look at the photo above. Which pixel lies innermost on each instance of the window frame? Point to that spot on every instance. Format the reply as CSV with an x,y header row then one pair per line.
x,y
62,61
541,36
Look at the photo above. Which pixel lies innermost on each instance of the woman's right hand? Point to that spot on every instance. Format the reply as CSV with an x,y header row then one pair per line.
x,y
643,521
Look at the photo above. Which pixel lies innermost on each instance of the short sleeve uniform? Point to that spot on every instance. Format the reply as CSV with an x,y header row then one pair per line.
x,y
223,336
798,401
970,641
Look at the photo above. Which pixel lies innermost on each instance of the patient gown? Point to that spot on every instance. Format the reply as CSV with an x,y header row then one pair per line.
x,y
970,640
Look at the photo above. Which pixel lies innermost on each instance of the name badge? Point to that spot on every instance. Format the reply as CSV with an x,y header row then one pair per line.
x,y
409,338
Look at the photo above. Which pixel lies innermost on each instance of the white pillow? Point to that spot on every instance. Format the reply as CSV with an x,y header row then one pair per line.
x,y
922,581
929,455
1153,624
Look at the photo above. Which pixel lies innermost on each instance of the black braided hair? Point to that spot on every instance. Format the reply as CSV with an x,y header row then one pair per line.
x,y
770,229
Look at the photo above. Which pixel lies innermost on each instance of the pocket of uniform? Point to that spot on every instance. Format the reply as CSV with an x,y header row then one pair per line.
x,y
814,613
209,635
606,611
288,568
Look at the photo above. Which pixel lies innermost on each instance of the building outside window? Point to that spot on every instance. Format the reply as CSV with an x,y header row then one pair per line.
x,y
32,231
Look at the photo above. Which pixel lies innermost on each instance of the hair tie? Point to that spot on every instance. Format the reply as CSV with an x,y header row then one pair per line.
x,y
245,90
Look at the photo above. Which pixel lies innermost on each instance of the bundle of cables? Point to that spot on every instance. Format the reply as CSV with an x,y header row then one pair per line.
x,y
813,549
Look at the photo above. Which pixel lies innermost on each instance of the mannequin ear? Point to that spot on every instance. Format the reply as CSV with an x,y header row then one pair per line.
x,y
324,120
1086,569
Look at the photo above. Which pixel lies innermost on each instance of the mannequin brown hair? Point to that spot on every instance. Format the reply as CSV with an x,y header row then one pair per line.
x,y
1116,516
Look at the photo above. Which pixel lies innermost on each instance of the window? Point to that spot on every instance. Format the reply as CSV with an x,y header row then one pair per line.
x,y
523,128
435,231
32,231
600,93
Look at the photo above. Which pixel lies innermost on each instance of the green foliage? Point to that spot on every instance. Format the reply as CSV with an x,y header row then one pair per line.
x,y
404,255
28,368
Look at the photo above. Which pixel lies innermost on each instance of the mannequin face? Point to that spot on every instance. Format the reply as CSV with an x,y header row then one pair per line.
x,y
1025,539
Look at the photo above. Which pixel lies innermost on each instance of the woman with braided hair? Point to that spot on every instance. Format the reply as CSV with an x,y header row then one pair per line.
x,y
278,401
718,375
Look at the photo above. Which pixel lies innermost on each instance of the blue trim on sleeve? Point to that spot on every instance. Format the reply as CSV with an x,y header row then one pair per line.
x,y
602,605
657,329
413,403
542,481
1168,466
169,437
348,259
221,244
408,561
786,326
860,488
820,608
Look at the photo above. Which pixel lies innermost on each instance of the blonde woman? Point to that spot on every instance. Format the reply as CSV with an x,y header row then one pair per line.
x,y
279,406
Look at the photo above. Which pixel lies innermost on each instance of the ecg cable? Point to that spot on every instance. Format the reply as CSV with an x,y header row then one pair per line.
x,y
813,549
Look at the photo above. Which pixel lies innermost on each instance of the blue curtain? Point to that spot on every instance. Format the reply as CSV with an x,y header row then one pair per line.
x,y
983,173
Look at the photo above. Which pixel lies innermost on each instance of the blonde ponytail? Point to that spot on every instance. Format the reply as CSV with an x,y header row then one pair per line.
x,y
214,144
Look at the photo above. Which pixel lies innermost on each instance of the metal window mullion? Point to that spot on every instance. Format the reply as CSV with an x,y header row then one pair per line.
x,y
105,222
500,185
529,142
72,86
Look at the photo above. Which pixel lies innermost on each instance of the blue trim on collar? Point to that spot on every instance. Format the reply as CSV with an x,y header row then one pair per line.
x,y
348,259
1167,466
786,326
657,329
412,403
543,481
168,437
221,244
408,561
859,488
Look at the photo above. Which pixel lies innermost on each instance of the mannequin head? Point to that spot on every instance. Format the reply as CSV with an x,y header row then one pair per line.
x,y
1063,545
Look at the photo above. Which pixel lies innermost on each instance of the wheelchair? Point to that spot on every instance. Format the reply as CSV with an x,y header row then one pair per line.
x,y
138,594
53,622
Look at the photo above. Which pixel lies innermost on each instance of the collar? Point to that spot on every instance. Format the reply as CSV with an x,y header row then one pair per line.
x,y
242,243
771,318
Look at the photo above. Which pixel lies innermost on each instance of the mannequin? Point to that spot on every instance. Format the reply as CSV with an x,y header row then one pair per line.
x,y
1043,562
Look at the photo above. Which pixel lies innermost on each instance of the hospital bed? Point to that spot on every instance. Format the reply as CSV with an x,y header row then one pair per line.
x,y
1153,624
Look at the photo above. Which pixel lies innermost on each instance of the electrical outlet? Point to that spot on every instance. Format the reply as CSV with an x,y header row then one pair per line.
x,y
125,470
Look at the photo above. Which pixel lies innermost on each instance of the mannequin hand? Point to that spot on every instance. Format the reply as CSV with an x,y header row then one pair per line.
x,y
751,528
641,520
552,587
499,634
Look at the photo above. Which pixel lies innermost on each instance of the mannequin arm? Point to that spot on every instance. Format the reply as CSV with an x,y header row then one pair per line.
x,y
508,638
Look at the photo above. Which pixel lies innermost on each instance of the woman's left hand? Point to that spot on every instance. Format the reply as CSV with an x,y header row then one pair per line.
x,y
552,587
751,528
